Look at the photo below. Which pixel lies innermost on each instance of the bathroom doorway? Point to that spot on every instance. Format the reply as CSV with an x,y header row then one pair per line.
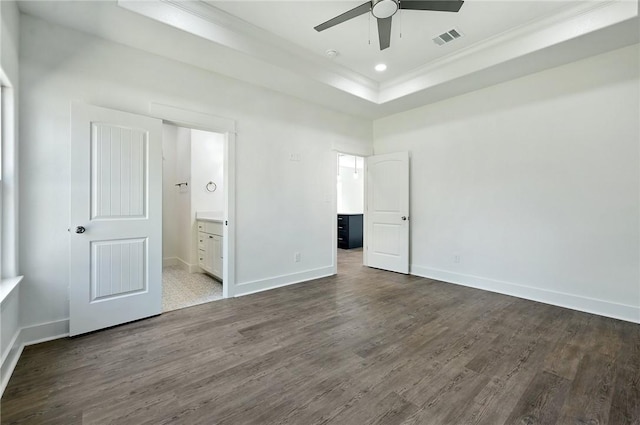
x,y
193,216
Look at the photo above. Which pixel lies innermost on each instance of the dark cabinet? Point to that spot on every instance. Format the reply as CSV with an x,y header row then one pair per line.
x,y
349,231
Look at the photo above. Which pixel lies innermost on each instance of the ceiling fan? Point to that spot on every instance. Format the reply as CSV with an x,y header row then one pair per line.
x,y
383,10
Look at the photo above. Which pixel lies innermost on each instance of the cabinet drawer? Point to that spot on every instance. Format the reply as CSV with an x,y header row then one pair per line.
x,y
350,228
201,255
201,239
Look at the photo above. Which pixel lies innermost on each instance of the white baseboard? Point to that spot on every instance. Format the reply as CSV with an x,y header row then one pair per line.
x,y
194,268
45,332
252,287
28,336
169,261
189,268
625,312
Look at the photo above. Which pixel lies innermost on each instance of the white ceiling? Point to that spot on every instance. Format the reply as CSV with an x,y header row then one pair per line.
x,y
477,20
272,43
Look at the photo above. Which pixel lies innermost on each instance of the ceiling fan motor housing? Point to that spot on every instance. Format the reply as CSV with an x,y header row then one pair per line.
x,y
382,9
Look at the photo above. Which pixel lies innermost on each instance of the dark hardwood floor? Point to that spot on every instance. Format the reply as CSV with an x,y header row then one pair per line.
x,y
363,347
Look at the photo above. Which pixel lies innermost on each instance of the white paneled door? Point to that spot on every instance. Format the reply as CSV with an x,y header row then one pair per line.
x,y
387,212
115,270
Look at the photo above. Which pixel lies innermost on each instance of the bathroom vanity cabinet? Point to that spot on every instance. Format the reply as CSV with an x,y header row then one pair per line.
x,y
210,247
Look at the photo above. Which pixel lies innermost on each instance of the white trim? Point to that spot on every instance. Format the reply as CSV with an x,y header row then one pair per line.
x,y
282,280
558,26
8,285
11,347
45,332
169,261
575,302
229,225
29,336
194,268
9,363
513,44
183,265
209,22
192,119
10,176
179,262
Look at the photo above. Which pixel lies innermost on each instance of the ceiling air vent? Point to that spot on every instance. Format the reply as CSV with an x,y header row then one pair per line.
x,y
447,37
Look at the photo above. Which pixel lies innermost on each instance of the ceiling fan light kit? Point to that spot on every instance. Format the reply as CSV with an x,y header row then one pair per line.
x,y
383,10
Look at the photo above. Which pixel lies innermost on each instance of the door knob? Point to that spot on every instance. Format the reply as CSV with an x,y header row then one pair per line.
x,y
80,229
404,218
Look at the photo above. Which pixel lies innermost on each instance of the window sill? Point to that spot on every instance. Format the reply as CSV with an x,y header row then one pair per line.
x,y
8,285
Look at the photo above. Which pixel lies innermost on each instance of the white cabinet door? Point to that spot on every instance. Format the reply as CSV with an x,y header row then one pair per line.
x,y
115,273
387,212
209,254
217,257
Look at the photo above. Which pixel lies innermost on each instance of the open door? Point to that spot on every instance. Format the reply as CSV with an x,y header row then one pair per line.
x,y
387,212
115,272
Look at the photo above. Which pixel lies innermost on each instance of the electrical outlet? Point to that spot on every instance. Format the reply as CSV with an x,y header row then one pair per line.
x,y
294,157
296,257
456,259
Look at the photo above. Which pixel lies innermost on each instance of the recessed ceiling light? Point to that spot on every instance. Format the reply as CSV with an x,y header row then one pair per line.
x,y
381,67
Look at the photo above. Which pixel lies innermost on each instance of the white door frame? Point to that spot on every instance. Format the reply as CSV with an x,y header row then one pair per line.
x,y
204,121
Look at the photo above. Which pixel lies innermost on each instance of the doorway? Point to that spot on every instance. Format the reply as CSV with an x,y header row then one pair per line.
x,y
193,216
350,212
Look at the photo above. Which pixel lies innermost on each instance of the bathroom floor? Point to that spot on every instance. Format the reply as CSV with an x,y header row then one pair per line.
x,y
182,289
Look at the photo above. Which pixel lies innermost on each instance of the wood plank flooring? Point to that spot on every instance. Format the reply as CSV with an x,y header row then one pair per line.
x,y
363,347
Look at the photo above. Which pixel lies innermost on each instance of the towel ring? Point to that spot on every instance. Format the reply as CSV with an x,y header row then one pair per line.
x,y
211,187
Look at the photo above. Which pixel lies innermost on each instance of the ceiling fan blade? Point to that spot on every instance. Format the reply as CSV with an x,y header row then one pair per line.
x,y
353,13
436,5
384,32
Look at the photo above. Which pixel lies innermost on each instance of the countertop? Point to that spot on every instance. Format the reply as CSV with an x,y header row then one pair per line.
x,y
214,217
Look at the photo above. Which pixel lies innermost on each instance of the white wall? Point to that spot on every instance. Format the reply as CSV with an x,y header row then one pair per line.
x,y
534,183
9,36
184,222
351,185
282,206
207,161
169,193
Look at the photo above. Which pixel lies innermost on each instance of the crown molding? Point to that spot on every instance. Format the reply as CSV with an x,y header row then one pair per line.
x,y
570,23
206,21
525,39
